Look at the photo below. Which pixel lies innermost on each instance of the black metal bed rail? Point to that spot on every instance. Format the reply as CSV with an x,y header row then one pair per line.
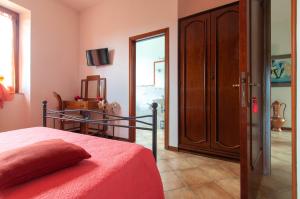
x,y
63,115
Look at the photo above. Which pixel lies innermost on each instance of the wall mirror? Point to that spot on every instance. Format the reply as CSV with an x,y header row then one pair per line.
x,y
93,87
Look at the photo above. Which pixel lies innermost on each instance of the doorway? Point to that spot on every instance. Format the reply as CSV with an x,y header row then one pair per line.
x,y
277,179
274,175
149,82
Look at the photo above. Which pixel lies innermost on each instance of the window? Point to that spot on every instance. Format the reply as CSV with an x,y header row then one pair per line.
x,y
9,36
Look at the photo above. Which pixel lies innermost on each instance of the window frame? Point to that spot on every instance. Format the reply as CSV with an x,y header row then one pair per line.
x,y
15,16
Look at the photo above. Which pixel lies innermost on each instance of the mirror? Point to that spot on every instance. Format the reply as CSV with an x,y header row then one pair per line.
x,y
103,88
93,87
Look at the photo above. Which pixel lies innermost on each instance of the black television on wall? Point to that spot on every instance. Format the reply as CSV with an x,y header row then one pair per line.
x,y
97,57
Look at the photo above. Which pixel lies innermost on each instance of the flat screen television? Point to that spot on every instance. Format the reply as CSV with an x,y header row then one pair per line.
x,y
97,57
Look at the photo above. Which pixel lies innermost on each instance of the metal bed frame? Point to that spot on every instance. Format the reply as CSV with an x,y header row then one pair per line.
x,y
107,121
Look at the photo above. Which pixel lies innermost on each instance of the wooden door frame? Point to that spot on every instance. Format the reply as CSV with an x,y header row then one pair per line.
x,y
243,112
294,95
244,24
267,93
132,79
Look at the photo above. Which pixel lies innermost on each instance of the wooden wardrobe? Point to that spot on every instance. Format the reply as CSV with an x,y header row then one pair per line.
x,y
209,82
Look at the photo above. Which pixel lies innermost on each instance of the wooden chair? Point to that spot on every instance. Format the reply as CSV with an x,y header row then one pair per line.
x,y
63,123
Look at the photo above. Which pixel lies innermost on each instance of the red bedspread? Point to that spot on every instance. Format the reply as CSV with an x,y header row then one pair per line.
x,y
116,169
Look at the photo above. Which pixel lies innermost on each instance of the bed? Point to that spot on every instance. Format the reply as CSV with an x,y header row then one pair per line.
x,y
116,169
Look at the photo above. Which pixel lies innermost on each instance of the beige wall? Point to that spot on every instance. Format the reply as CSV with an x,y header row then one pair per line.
x,y
189,7
281,44
281,27
53,65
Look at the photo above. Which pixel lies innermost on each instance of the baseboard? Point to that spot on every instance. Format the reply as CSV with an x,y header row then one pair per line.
x,y
206,153
172,148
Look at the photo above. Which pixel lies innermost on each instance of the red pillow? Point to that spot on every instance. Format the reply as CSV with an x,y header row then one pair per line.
x,y
36,160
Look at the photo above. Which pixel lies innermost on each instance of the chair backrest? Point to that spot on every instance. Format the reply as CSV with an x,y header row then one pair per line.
x,y
59,101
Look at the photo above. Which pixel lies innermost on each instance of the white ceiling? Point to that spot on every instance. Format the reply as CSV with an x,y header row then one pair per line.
x,y
80,5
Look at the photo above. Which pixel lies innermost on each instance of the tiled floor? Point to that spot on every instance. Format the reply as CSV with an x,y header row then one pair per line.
x,y
278,185
188,176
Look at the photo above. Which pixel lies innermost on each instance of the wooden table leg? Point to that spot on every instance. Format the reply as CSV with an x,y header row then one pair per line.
x,y
84,128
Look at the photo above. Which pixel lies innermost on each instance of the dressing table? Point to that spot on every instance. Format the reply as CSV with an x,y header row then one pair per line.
x,y
93,88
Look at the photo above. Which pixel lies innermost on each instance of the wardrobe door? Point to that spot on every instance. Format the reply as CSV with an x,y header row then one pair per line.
x,y
194,65
225,137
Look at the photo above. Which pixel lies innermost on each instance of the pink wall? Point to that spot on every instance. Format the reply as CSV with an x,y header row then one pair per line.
x,y
55,51
123,19
189,7
110,24
54,62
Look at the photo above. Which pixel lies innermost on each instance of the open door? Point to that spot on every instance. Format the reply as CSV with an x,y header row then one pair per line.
x,y
253,51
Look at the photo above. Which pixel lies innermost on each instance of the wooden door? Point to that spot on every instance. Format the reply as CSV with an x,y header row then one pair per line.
x,y
225,134
194,69
253,60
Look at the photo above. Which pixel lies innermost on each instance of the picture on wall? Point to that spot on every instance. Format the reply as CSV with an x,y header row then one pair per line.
x,y
281,70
